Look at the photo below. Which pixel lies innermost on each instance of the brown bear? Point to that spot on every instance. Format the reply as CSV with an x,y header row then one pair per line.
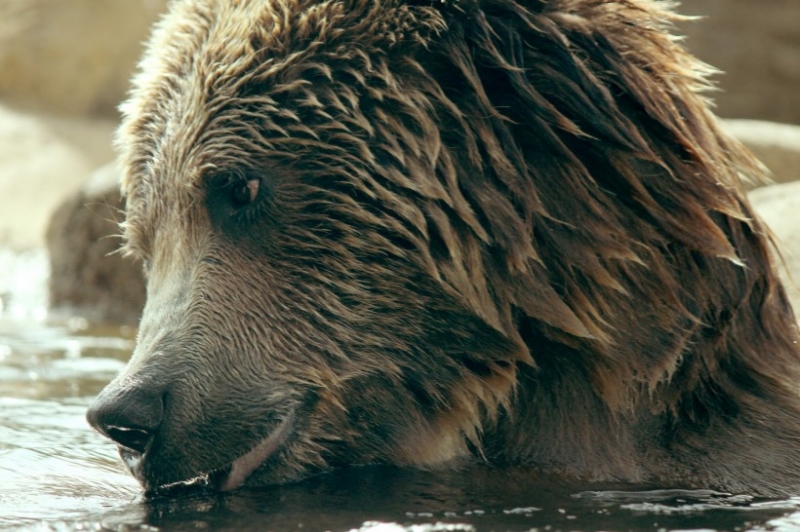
x,y
435,233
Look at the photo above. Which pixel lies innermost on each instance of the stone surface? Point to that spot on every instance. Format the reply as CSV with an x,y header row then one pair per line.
x,y
88,277
776,145
779,206
74,56
41,160
757,46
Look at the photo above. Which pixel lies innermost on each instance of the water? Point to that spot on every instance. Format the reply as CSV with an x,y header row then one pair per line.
x,y
58,475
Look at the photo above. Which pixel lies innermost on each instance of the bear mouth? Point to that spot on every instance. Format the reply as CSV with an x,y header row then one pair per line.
x,y
235,474
227,478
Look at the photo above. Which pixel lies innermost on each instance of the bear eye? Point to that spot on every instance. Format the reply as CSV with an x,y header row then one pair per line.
x,y
238,196
245,192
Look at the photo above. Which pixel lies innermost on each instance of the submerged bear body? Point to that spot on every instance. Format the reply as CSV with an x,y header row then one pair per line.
x,y
432,235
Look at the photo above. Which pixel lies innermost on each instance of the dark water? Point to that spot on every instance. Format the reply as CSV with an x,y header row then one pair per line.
x,y
58,475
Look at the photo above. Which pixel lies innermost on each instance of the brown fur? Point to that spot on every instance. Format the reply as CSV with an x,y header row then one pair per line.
x,y
488,230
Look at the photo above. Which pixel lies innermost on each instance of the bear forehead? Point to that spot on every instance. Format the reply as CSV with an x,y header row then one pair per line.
x,y
207,58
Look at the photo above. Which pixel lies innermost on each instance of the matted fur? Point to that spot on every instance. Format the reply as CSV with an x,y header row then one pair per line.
x,y
492,231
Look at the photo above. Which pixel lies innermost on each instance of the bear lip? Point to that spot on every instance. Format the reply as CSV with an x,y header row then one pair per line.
x,y
241,468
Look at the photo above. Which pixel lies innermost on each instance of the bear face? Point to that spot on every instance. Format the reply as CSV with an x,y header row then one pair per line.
x,y
378,231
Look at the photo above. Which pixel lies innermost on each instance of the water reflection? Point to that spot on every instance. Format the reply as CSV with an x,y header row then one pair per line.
x,y
58,475
51,465
378,499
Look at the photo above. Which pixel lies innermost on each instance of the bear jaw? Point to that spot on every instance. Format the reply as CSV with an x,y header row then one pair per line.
x,y
244,466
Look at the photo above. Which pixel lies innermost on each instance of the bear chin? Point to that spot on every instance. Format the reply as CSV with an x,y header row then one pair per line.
x,y
233,476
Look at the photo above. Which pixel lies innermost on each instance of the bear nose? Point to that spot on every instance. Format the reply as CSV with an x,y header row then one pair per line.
x,y
129,415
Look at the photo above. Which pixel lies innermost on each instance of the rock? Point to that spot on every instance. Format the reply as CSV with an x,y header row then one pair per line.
x,y
757,46
776,145
76,57
72,57
41,160
779,206
88,276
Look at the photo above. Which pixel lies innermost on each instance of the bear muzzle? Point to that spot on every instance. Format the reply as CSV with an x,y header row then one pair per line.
x,y
131,412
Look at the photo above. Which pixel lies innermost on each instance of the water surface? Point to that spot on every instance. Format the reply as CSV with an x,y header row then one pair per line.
x,y
58,475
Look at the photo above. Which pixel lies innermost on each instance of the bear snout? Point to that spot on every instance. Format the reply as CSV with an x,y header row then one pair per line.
x,y
129,412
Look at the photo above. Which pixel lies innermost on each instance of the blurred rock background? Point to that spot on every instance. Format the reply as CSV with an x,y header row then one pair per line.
x,y
64,68
65,64
756,43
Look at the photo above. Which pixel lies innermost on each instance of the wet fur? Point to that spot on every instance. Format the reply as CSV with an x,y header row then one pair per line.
x,y
494,231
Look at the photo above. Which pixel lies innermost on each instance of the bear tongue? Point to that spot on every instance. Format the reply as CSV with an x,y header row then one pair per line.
x,y
243,467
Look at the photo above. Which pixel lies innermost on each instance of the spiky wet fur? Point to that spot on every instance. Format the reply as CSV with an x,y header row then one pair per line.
x,y
498,231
